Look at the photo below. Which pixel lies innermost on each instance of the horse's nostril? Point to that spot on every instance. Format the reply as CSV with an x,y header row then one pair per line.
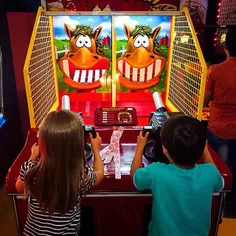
x,y
127,55
70,54
152,57
96,57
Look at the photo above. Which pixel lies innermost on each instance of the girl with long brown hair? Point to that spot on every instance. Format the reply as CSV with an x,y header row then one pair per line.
x,y
56,181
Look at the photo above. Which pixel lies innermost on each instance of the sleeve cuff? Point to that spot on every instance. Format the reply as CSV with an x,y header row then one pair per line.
x,y
223,184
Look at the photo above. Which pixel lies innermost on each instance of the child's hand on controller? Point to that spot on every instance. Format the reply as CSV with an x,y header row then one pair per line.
x,y
34,152
95,142
142,140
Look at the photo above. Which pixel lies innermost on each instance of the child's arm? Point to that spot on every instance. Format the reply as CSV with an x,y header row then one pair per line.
x,y
97,164
207,156
137,161
20,185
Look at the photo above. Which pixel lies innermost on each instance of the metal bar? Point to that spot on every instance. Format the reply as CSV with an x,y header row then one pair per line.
x,y
222,198
104,13
113,194
16,215
118,195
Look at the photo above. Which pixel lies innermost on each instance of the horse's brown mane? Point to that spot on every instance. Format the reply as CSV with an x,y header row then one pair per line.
x,y
87,30
141,30
99,48
156,48
84,30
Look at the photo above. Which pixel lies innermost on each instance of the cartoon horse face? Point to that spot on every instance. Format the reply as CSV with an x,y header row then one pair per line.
x,y
84,65
140,66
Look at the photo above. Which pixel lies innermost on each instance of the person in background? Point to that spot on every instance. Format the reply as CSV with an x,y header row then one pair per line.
x,y
182,190
56,176
221,92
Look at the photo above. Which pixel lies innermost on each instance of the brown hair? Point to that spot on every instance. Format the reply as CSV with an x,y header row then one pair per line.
x,y
58,178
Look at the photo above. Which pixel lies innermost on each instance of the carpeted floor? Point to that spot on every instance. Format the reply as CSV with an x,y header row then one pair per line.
x,y
7,218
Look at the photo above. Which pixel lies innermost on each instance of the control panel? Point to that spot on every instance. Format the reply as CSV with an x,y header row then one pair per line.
x,y
115,116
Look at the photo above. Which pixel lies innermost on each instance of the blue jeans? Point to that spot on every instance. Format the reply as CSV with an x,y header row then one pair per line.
x,y
226,149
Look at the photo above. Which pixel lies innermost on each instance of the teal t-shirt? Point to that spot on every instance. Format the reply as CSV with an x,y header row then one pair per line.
x,y
181,197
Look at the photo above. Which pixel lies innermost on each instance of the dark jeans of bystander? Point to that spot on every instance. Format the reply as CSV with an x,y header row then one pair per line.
x,y
226,149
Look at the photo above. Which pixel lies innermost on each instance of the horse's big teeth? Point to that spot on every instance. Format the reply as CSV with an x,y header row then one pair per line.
x,y
139,74
83,76
142,75
150,72
76,76
97,75
120,66
135,74
127,70
157,67
65,64
90,76
103,72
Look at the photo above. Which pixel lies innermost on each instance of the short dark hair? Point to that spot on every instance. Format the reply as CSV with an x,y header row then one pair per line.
x,y
184,138
230,41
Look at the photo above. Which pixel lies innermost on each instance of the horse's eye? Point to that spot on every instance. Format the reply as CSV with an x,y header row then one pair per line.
x,y
87,41
138,41
80,41
145,41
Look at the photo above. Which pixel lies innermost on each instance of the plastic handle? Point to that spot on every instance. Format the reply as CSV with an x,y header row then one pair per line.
x,y
157,100
65,102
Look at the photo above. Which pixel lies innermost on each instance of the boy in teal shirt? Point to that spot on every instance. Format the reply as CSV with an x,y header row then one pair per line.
x,y
182,190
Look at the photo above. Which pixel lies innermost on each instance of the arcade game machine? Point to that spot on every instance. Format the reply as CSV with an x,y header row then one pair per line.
x,y
107,66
